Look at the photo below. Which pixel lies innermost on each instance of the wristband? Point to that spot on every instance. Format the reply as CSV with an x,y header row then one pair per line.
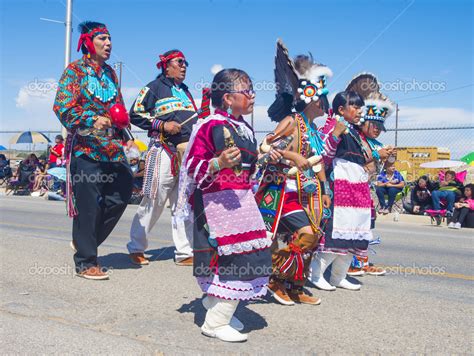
x,y
325,188
215,165
156,124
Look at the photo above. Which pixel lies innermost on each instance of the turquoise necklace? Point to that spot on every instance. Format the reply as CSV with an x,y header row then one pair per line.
x,y
314,136
181,95
103,89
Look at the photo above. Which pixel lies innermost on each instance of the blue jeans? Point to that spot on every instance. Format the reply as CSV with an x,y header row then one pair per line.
x,y
443,194
391,192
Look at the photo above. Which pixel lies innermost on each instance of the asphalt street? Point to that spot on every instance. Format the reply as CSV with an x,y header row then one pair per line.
x,y
424,304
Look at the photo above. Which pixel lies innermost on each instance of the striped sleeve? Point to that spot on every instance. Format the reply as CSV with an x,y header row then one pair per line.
x,y
142,111
330,141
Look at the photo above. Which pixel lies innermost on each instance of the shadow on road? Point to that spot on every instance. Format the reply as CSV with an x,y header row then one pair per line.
x,y
249,318
117,261
122,260
161,254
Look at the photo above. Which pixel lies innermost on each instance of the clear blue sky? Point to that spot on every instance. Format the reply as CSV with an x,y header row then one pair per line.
x,y
426,42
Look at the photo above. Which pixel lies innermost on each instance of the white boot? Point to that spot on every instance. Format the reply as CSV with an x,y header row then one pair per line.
x,y
318,266
218,319
208,302
339,271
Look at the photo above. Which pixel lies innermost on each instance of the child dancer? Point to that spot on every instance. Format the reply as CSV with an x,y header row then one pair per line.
x,y
376,110
292,205
232,259
347,232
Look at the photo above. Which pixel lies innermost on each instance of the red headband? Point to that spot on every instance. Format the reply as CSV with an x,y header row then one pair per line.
x,y
86,38
164,60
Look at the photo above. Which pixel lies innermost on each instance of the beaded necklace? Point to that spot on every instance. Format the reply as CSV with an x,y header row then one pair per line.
x,y
103,89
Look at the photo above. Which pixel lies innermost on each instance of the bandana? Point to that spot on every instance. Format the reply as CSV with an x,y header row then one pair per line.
x,y
162,64
86,38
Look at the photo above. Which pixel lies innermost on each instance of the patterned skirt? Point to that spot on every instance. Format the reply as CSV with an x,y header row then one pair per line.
x,y
348,231
240,264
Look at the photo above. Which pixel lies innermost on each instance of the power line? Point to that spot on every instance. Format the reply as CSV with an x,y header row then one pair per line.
x,y
437,93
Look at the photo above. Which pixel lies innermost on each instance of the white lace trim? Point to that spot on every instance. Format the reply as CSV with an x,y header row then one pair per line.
x,y
245,246
352,235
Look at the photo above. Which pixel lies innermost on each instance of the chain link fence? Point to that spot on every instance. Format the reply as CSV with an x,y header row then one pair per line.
x,y
415,144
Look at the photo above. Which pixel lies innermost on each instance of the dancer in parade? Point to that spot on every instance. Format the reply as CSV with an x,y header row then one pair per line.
x,y
100,179
166,109
232,258
372,124
348,232
292,200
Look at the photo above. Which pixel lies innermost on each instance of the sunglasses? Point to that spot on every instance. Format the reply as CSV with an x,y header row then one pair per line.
x,y
180,62
247,92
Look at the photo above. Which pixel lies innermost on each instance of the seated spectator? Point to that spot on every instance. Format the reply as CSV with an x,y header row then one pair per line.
x,y
26,168
390,182
464,210
449,189
5,169
24,175
40,175
420,197
56,153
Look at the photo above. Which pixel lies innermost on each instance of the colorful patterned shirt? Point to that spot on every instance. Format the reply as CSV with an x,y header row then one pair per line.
x,y
85,90
162,100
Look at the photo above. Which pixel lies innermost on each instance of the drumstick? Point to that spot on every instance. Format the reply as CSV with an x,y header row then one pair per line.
x,y
189,119
313,160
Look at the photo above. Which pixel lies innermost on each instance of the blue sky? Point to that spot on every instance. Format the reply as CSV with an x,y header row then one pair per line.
x,y
421,47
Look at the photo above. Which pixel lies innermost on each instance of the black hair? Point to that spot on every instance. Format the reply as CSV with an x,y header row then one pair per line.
x,y
59,137
469,186
85,27
345,98
224,82
323,102
425,178
451,173
2,156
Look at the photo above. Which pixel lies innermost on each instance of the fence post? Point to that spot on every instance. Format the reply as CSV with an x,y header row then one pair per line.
x,y
396,125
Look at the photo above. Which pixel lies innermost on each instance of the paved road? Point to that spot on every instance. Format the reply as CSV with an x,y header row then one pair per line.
x,y
425,304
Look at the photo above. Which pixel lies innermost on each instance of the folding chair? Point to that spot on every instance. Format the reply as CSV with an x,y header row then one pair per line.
x,y
5,174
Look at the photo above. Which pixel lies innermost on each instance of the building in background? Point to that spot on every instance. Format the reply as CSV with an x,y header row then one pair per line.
x,y
410,158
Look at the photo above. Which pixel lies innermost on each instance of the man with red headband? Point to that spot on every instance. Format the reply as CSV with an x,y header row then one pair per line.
x,y
166,109
99,177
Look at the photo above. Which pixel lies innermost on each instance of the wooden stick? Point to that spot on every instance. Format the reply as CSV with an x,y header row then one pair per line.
x,y
189,119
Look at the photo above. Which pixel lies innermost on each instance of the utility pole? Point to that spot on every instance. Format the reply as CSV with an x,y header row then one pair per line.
x,y
67,42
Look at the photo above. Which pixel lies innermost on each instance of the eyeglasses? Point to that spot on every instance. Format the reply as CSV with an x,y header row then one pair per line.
x,y
180,62
247,92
